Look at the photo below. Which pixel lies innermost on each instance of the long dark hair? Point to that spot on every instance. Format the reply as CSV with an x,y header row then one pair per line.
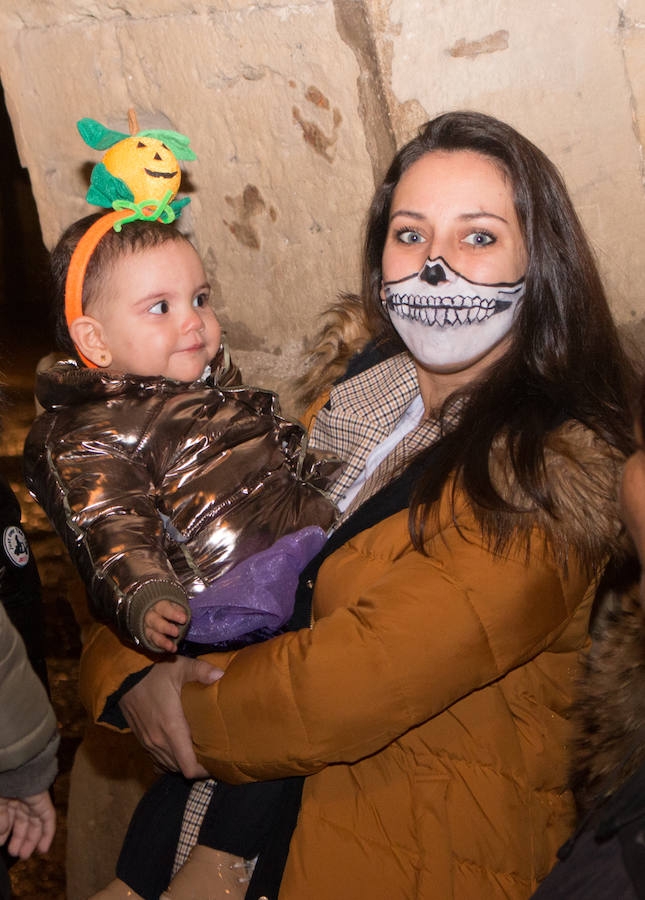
x,y
565,360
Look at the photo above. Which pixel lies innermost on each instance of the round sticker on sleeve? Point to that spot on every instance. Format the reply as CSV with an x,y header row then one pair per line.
x,y
15,545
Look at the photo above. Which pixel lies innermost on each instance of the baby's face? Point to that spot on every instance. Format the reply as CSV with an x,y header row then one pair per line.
x,y
154,311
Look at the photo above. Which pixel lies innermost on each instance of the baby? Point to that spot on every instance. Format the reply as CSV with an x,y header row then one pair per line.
x,y
158,474
169,483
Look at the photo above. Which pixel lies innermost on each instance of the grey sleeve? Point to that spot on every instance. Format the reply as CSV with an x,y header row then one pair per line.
x,y
28,730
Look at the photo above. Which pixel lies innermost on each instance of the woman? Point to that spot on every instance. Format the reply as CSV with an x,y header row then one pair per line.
x,y
427,703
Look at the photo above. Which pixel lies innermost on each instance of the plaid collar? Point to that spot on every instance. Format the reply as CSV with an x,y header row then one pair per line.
x,y
361,412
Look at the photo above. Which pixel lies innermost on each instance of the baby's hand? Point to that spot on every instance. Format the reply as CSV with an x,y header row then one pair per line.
x,y
161,623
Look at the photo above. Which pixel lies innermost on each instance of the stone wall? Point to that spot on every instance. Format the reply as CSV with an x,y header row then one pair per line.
x,y
294,109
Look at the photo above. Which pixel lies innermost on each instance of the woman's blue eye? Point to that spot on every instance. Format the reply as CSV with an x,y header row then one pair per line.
x,y
200,300
480,239
408,236
159,308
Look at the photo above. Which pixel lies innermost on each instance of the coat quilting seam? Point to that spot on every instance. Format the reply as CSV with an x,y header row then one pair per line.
x,y
476,764
389,845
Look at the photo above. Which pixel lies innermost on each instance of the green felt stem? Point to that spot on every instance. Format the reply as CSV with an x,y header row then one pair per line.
x,y
146,211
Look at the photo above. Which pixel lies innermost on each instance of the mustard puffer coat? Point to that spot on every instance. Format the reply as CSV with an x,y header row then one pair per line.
x,y
427,704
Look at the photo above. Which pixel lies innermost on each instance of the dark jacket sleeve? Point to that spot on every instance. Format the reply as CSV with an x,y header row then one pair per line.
x,y
20,591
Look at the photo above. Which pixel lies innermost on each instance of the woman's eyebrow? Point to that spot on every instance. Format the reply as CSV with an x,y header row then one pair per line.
x,y
482,215
406,212
466,217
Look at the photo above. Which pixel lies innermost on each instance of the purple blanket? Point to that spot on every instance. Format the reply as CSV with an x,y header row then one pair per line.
x,y
259,593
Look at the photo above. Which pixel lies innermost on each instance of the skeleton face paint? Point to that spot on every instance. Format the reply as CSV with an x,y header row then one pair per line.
x,y
446,321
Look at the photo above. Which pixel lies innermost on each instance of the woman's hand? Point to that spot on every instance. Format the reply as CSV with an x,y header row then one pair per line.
x,y
153,710
31,822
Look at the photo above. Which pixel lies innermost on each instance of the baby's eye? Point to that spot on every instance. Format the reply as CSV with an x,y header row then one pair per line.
x,y
159,308
479,239
409,236
200,300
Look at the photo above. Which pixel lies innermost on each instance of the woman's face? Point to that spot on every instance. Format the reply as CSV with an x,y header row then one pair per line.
x,y
454,260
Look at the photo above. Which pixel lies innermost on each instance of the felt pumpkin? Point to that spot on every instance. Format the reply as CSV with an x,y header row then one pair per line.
x,y
146,165
141,169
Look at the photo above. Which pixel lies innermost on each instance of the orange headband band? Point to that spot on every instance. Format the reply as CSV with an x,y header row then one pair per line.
x,y
78,266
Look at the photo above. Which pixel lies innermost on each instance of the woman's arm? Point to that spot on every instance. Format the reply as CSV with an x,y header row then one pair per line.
x,y
152,707
153,711
427,632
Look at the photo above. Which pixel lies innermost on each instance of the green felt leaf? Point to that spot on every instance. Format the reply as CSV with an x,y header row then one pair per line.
x,y
98,136
175,142
106,188
178,204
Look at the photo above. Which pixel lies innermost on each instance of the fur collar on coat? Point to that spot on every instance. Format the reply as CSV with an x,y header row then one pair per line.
x,y
583,474
609,714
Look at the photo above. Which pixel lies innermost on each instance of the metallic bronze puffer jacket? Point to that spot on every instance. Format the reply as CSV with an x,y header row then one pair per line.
x,y
157,487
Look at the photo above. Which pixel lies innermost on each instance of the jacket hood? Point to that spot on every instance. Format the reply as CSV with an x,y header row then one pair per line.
x,y
68,382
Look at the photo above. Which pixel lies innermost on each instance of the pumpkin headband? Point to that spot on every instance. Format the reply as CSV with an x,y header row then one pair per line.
x,y
138,178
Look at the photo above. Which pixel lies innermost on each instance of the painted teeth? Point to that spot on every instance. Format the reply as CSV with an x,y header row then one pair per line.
x,y
442,311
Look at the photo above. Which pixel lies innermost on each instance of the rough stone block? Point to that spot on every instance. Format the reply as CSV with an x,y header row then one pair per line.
x,y
283,175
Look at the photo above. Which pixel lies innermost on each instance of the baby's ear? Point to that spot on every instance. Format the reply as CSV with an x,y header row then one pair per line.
x,y
87,333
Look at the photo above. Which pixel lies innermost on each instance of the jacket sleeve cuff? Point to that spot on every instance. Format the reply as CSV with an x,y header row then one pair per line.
x,y
112,714
144,599
34,776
